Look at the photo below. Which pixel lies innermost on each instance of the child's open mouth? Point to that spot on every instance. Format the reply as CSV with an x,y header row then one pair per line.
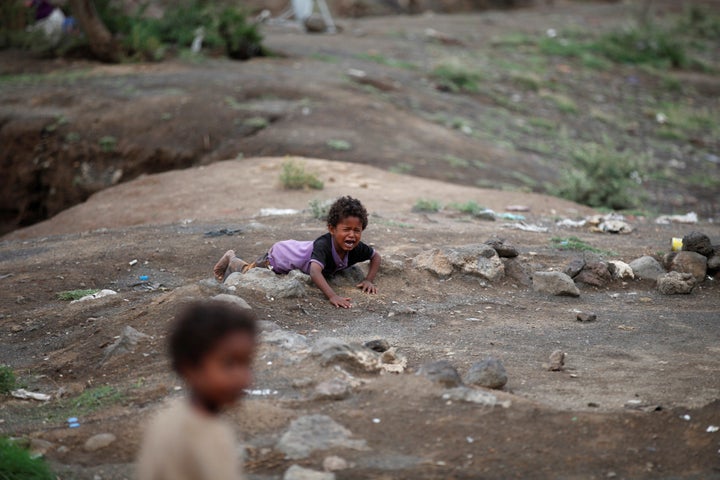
x,y
349,244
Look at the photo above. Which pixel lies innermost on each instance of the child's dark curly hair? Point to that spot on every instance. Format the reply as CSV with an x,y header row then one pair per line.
x,y
345,207
199,327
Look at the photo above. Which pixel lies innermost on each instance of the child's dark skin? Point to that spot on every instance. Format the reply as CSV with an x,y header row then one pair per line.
x,y
222,375
346,236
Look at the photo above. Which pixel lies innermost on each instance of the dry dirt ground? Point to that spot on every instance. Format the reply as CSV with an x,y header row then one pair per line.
x,y
615,412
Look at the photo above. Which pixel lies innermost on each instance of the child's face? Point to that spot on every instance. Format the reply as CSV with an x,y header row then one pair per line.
x,y
220,378
346,234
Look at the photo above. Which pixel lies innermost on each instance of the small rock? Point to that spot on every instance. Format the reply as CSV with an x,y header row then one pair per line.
x,y
557,361
441,372
692,263
504,249
620,269
713,263
574,267
288,340
646,268
488,373
379,345
334,463
595,274
675,283
517,272
586,317
39,446
315,23
697,242
668,259
99,441
234,299
555,283
309,433
296,472
615,226
333,351
129,338
333,389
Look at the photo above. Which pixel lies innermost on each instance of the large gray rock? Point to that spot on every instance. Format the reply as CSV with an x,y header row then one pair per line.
x,y
234,299
333,389
285,339
555,283
477,259
126,343
596,274
697,242
99,441
358,358
504,249
296,472
676,283
692,263
270,284
646,268
310,433
517,272
441,372
488,373
574,267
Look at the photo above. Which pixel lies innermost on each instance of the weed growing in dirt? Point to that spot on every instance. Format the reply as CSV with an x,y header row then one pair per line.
x,y
7,380
457,78
339,145
16,463
390,62
427,206
456,162
294,177
75,294
257,123
107,143
562,102
576,245
319,208
470,207
601,176
402,168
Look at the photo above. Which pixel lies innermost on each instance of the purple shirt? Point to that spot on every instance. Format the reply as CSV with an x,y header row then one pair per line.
x,y
291,255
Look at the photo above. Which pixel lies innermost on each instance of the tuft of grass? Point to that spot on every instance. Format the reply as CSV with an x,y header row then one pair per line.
x,y
294,177
456,162
75,294
471,207
576,245
402,168
93,399
256,122
107,143
427,206
7,380
457,78
562,102
390,62
319,209
16,463
339,145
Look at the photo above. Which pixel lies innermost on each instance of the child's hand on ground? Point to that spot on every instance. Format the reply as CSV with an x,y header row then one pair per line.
x,y
367,286
340,302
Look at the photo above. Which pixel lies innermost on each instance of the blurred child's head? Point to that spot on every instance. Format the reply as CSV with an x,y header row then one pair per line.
x,y
212,346
346,220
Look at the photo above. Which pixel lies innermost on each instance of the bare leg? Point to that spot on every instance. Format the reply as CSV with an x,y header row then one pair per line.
x,y
228,264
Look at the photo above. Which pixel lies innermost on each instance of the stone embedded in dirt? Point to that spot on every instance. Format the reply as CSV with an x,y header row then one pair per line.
x,y
288,340
315,23
557,361
473,395
272,285
234,299
333,389
310,433
615,226
713,263
267,326
488,373
334,463
296,472
668,259
352,275
574,267
517,271
675,283
692,263
586,317
99,441
356,357
504,249
555,283
442,372
38,446
393,362
476,259
401,309
646,268
619,269
697,242
595,274
129,338
379,345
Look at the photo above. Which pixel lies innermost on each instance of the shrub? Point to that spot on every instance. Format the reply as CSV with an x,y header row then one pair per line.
x,y
16,463
74,294
457,78
470,207
575,244
427,206
242,39
339,145
320,208
7,380
600,176
644,46
294,177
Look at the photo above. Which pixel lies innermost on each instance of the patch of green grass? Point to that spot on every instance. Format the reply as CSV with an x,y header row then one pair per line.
x,y
339,145
542,123
427,206
319,209
257,123
527,81
456,77
72,137
393,223
456,162
93,399
576,245
323,57
294,177
470,207
512,40
16,463
387,61
75,294
107,143
7,380
562,102
402,168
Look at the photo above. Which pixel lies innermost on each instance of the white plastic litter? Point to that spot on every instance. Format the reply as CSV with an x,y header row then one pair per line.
x,y
272,212
567,223
526,227
264,392
690,217
94,296
712,429
26,395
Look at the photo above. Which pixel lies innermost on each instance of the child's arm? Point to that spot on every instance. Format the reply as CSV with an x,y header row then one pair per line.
x,y
320,282
367,285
